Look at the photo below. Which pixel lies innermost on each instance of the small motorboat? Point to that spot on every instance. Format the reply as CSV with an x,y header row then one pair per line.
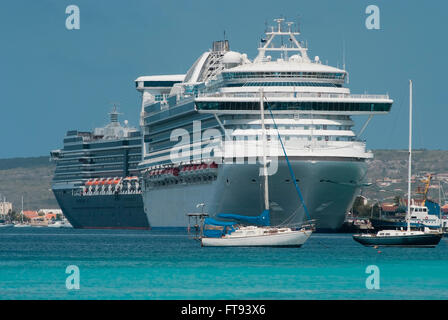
x,y
22,225
6,225
60,224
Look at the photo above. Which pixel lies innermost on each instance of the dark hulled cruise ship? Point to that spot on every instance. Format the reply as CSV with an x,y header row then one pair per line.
x,y
96,182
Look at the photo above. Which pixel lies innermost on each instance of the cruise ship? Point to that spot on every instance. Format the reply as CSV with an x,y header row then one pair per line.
x,y
96,181
202,135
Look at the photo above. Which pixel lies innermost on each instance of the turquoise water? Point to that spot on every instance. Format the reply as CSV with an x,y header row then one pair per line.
x,y
166,264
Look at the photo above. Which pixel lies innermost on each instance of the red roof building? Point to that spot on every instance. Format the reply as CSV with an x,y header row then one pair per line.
x,y
30,214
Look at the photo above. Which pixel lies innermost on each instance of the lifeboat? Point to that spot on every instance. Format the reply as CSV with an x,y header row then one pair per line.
x,y
213,165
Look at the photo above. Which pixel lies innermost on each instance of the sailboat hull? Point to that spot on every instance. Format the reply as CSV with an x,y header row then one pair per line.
x,y
421,240
289,239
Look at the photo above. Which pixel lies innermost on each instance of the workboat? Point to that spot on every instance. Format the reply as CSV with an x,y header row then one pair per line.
x,y
404,238
259,232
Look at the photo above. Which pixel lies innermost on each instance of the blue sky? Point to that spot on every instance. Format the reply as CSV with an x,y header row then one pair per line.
x,y
53,79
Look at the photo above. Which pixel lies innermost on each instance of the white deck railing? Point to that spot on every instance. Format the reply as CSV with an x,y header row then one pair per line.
x,y
292,95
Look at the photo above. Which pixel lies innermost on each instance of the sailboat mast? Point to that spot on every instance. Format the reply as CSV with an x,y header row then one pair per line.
x,y
410,156
440,208
22,209
263,138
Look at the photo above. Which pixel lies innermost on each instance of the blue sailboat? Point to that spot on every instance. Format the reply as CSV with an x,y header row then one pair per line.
x,y
257,230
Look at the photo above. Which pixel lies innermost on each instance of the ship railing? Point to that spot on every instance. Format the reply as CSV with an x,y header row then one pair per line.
x,y
96,192
292,95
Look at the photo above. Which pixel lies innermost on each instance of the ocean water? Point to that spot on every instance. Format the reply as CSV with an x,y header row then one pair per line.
x,y
166,264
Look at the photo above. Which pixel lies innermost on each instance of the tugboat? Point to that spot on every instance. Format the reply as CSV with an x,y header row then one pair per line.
x,y
403,238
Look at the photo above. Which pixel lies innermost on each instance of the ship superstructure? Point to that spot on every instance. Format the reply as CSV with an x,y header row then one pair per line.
x,y
202,141
96,182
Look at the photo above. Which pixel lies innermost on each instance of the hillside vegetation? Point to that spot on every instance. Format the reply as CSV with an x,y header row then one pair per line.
x,y
30,177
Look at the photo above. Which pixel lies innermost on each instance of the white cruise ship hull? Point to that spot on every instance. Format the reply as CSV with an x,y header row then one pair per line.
x,y
328,186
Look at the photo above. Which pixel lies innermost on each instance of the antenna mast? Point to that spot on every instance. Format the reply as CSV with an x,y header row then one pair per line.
x,y
277,31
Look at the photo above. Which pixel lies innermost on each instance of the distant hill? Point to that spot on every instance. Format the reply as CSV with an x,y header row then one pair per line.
x,y
388,171
31,177
13,163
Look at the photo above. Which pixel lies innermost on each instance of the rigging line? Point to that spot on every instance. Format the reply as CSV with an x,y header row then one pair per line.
x,y
289,164
287,220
